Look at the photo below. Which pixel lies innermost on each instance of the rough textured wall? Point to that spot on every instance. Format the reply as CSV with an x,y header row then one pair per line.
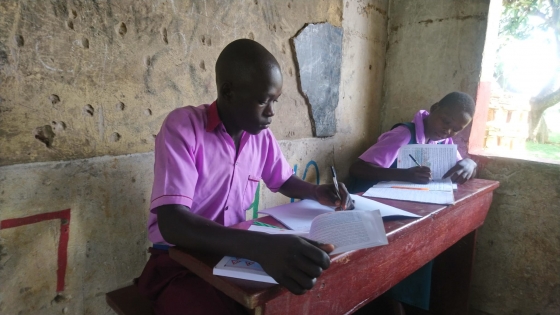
x,y
98,77
435,47
517,269
142,68
107,240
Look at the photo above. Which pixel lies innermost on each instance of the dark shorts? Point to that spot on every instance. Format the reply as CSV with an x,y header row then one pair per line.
x,y
177,291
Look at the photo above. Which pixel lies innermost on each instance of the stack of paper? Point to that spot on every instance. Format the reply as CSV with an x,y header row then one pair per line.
x,y
436,191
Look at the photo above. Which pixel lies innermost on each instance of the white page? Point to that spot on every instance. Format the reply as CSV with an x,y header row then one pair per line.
x,y
298,215
349,230
436,196
439,158
269,230
242,269
438,184
361,203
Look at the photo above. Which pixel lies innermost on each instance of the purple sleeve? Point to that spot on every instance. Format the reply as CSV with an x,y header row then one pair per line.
x,y
175,173
276,170
385,151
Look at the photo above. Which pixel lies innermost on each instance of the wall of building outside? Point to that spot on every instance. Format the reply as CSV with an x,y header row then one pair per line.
x,y
436,47
95,79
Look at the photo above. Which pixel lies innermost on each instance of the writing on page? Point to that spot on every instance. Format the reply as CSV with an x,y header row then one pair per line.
x,y
439,158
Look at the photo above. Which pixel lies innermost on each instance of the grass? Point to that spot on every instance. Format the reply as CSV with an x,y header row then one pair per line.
x,y
545,150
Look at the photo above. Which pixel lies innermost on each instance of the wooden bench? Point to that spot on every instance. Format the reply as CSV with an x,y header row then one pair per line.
x,y
128,301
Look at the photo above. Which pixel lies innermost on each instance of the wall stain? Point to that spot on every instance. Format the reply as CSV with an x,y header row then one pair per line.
x,y
477,17
369,8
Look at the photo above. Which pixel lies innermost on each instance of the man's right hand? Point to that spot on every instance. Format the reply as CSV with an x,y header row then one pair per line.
x,y
294,262
419,174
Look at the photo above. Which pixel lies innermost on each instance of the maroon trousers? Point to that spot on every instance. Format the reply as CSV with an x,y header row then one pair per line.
x,y
177,291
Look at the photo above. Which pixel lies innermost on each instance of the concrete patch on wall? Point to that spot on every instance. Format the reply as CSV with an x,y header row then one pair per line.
x,y
318,50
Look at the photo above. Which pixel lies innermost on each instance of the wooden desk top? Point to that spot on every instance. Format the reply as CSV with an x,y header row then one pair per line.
x,y
412,243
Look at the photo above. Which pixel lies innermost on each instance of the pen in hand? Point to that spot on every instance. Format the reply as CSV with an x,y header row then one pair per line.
x,y
418,164
335,180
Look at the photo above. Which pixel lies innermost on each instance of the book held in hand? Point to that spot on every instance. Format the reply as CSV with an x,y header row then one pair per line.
x,y
346,230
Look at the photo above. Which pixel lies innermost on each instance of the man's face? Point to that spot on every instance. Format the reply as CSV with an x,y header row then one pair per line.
x,y
445,122
252,104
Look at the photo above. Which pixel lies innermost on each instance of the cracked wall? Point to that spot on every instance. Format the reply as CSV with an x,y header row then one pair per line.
x,y
89,83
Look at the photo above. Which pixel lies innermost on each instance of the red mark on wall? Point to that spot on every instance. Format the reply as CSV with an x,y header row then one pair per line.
x,y
64,216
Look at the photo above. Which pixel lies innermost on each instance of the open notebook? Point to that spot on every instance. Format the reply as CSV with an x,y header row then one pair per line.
x,y
299,215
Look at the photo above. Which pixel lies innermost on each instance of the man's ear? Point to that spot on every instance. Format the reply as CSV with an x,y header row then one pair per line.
x,y
226,91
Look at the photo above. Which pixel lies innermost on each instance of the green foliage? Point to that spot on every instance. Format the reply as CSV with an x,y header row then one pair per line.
x,y
516,13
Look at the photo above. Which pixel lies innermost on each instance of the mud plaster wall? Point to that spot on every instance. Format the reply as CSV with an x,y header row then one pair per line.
x,y
436,47
108,95
102,75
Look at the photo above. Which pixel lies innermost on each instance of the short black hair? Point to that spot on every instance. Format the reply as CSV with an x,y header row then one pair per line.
x,y
459,100
241,59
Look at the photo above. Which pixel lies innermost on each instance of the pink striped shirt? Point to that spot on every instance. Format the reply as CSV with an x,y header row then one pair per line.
x,y
385,151
196,166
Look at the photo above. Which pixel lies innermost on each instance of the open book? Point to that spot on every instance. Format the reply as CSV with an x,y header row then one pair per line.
x,y
299,215
346,230
439,158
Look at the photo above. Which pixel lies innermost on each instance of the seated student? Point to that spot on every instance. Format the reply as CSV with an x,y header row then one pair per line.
x,y
208,162
446,118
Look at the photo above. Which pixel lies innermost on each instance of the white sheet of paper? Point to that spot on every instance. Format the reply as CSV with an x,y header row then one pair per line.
x,y
436,196
241,268
361,203
439,158
438,184
298,215
269,230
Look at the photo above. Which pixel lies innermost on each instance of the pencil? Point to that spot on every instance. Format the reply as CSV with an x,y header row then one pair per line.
x,y
418,164
411,188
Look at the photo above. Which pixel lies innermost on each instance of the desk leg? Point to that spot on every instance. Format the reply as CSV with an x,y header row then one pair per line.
x,y
451,278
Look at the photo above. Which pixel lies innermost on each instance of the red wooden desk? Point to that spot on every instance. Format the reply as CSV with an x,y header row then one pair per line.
x,y
446,233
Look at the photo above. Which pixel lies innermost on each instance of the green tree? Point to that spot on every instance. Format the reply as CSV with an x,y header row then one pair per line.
x,y
515,23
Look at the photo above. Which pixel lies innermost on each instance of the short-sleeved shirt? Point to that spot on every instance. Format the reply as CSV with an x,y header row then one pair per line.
x,y
196,166
385,151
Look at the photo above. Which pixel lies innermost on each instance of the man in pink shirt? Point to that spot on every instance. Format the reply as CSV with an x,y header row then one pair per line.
x,y
208,162
446,118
